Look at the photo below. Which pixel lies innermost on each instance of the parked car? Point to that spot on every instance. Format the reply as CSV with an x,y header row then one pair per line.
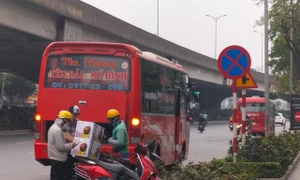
x,y
280,119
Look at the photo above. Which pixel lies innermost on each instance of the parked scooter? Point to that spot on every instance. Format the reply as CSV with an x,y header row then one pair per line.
x,y
202,121
146,170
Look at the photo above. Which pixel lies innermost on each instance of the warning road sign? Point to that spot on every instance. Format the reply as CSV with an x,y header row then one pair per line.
x,y
246,82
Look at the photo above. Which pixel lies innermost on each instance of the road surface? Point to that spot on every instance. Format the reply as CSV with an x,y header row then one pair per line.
x,y
17,157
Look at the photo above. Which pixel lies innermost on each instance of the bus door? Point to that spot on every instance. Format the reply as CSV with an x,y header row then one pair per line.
x,y
178,148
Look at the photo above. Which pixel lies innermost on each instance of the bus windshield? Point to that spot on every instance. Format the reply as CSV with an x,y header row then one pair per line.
x,y
94,72
255,107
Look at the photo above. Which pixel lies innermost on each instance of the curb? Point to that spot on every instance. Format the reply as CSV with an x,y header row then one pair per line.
x,y
288,172
15,132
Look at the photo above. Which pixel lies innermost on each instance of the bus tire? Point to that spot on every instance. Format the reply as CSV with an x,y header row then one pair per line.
x,y
182,153
158,162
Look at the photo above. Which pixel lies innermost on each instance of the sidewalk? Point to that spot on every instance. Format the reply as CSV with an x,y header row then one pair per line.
x,y
295,175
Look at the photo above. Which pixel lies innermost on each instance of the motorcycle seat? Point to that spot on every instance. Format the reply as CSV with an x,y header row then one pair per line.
x,y
125,161
119,169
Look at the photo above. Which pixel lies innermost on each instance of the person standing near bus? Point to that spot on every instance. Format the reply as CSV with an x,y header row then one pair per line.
x,y
70,128
119,139
58,148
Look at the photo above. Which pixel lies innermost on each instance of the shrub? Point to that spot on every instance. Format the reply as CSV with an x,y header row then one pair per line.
x,y
282,149
17,118
218,169
264,157
267,169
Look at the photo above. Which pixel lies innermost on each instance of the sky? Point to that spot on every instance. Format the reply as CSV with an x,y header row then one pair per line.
x,y
185,23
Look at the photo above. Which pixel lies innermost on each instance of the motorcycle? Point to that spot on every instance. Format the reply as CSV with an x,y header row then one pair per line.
x,y
248,125
202,122
100,170
231,126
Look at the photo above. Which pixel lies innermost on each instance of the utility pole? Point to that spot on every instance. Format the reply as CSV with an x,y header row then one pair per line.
x,y
216,19
268,124
291,52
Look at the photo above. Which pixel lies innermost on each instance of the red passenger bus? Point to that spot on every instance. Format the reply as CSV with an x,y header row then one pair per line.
x,y
255,109
150,92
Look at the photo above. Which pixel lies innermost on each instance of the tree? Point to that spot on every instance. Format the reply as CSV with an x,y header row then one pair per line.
x,y
18,87
281,14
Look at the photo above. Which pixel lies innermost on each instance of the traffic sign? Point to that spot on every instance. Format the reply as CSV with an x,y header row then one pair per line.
x,y
234,62
297,116
245,82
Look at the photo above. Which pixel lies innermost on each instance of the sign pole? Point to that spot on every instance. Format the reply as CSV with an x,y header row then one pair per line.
x,y
234,119
243,116
234,63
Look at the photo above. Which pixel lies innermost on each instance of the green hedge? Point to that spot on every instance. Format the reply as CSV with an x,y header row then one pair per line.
x,y
15,118
261,157
267,169
282,148
222,170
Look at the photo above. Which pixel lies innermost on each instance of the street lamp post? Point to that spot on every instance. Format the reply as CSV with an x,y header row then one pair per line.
x,y
268,124
262,50
216,18
291,52
157,16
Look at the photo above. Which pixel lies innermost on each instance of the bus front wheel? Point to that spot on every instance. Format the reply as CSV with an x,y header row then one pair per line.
x,y
182,153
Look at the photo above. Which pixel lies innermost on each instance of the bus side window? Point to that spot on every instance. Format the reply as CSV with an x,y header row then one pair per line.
x,y
157,92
